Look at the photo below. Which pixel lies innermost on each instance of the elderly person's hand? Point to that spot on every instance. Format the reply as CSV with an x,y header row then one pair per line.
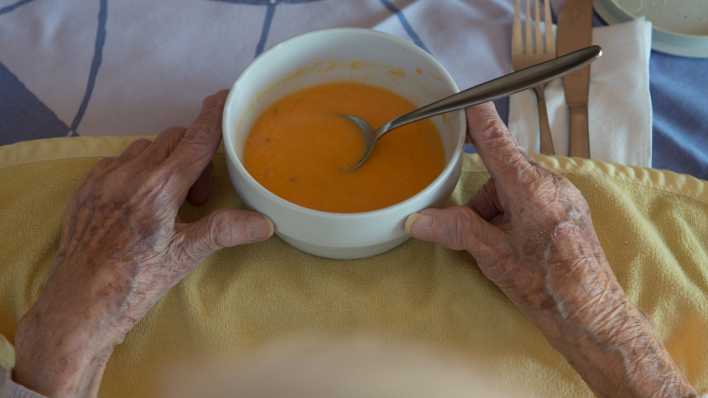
x,y
531,234
122,249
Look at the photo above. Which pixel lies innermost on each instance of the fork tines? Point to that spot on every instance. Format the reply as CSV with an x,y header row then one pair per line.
x,y
529,38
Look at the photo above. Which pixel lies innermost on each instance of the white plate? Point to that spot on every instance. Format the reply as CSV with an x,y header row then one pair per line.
x,y
680,26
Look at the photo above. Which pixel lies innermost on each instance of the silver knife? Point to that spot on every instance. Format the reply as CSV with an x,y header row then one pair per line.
x,y
574,32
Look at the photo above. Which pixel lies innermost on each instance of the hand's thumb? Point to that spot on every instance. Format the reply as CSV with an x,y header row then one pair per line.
x,y
457,228
225,228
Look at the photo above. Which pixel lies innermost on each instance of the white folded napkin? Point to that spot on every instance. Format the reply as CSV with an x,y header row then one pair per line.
x,y
619,107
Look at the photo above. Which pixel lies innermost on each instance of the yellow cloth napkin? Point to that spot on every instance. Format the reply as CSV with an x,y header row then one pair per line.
x,y
652,224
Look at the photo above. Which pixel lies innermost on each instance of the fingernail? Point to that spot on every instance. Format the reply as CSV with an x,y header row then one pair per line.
x,y
418,224
260,228
409,222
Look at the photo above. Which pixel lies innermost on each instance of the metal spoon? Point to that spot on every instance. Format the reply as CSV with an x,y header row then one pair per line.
x,y
491,90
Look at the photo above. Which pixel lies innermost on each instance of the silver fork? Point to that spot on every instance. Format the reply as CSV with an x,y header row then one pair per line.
x,y
528,47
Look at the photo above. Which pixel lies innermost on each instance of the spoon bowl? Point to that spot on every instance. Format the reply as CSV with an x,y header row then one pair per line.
x,y
368,133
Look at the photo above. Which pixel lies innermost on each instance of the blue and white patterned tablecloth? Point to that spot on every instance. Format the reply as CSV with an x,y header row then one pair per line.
x,y
95,67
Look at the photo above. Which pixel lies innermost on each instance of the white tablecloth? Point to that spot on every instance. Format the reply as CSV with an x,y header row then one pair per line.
x,y
130,66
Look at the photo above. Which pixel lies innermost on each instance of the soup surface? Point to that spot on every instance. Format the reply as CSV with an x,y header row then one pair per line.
x,y
302,151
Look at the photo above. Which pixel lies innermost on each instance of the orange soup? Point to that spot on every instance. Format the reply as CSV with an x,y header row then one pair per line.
x,y
301,150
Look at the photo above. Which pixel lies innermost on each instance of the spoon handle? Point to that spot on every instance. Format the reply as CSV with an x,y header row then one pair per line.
x,y
500,87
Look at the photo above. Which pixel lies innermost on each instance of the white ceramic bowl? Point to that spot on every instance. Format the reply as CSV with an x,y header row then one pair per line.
x,y
334,55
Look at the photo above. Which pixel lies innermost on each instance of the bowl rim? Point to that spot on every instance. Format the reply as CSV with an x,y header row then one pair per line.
x,y
236,161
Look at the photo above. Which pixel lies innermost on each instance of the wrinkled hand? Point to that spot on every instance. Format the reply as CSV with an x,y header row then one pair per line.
x,y
529,229
531,233
122,249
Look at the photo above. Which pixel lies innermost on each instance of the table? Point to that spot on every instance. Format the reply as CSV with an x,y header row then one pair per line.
x,y
54,61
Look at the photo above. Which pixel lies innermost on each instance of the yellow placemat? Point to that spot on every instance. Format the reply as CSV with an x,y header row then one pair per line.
x,y
652,224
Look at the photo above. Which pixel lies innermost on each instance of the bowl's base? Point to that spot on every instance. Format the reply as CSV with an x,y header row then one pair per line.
x,y
344,253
